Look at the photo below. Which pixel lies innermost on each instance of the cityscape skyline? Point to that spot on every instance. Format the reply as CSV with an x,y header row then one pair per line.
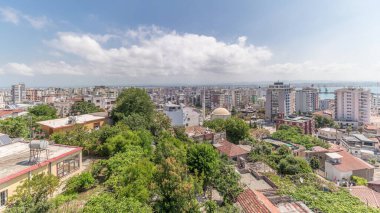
x,y
145,43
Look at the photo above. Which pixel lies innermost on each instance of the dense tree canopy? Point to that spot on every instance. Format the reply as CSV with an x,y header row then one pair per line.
x,y
236,130
323,121
32,195
293,165
294,135
203,158
43,110
133,101
83,107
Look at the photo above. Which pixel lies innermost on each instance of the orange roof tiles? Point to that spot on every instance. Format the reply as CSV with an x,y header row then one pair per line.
x,y
351,163
366,194
9,112
255,202
230,149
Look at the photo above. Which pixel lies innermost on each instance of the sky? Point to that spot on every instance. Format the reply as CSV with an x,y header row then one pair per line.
x,y
171,42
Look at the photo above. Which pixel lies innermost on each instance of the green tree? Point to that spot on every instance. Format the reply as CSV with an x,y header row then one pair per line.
x,y
32,195
133,180
106,202
80,183
203,158
227,183
133,101
160,123
15,127
218,125
43,110
83,107
323,121
236,130
359,180
314,163
168,146
78,136
293,165
175,189
136,121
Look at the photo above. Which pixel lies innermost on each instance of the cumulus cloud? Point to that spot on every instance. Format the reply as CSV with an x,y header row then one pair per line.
x,y
44,68
154,54
15,17
151,51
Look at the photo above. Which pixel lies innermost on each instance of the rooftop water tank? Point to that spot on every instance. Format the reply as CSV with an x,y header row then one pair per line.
x,y
38,144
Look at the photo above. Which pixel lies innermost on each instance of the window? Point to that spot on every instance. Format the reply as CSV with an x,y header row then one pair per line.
x,y
3,197
68,166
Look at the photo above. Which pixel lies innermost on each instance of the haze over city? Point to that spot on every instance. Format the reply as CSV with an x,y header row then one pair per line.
x,y
71,43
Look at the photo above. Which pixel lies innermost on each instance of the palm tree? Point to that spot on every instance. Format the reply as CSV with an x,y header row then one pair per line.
x,y
349,129
336,126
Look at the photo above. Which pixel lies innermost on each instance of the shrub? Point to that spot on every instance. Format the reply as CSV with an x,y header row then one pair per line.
x,y
359,180
80,183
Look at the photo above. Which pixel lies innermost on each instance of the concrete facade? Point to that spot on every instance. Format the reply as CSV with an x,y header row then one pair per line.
x,y
280,98
353,105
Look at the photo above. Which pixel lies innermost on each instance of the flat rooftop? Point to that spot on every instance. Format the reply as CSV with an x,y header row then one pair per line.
x,y
62,122
14,158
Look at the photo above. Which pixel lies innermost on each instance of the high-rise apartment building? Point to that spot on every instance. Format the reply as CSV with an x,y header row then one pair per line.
x,y
18,93
307,100
280,98
353,105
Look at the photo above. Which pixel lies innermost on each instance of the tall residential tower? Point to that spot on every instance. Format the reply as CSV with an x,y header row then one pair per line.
x,y
353,105
280,98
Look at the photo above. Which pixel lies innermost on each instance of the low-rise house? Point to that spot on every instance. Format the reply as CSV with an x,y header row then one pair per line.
x,y
306,124
297,150
18,163
251,201
11,113
358,143
232,151
90,121
329,134
199,133
342,165
375,185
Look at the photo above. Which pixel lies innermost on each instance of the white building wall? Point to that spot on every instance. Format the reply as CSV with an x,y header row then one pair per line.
x,y
334,174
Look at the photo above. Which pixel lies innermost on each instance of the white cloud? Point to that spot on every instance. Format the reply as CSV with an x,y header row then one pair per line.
x,y
154,55
37,22
44,68
151,51
19,69
15,17
9,15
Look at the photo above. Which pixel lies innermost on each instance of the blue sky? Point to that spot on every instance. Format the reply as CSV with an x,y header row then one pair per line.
x,y
74,43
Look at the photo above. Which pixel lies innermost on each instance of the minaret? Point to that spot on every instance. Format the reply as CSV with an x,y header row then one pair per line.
x,y
204,104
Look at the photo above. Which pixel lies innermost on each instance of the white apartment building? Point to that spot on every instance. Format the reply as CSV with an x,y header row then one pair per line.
x,y
18,93
175,113
280,98
307,100
2,101
353,105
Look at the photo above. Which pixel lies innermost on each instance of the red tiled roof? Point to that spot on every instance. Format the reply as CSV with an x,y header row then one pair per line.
x,y
255,202
230,149
4,113
351,163
366,194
